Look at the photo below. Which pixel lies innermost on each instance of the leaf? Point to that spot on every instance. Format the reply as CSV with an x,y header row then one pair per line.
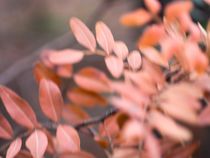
x,y
45,58
65,71
66,56
41,71
80,154
68,138
23,154
153,55
51,145
137,17
104,37
6,131
19,109
85,98
126,153
114,65
154,6
92,79
74,114
151,36
51,100
121,50
204,116
162,123
83,35
153,146
14,148
37,143
134,60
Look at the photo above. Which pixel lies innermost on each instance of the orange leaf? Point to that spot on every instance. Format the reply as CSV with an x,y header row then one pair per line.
x,y
138,17
121,50
153,55
37,143
83,35
114,65
92,79
68,138
6,131
74,114
85,98
65,71
154,6
151,36
41,71
19,109
14,148
134,60
51,100
66,56
174,9
104,37
80,154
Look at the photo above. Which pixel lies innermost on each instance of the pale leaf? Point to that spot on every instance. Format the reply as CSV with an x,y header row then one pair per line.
x,y
121,50
154,6
14,148
134,60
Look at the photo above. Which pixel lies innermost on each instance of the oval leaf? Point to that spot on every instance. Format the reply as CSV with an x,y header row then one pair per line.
x,y
51,100
154,6
68,138
19,109
120,49
65,71
92,79
37,143
114,65
14,148
134,60
66,56
83,35
104,37
5,128
85,98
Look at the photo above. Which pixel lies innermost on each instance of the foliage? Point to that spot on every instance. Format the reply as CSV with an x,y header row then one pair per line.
x,y
156,91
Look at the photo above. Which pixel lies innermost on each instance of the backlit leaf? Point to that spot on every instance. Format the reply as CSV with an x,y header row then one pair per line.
x,y
66,56
154,6
37,143
6,131
68,138
14,148
92,79
83,35
85,98
19,109
114,65
120,49
104,37
51,100
138,17
134,60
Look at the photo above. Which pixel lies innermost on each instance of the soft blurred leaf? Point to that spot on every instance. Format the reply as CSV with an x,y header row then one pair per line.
x,y
80,154
120,49
134,60
6,131
23,154
65,71
14,148
154,6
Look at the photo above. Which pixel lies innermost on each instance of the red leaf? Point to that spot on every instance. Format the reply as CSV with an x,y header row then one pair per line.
x,y
134,60
37,143
121,50
85,98
65,71
138,17
114,65
104,37
153,5
74,114
68,138
83,35
14,148
51,100
80,154
41,71
66,56
6,131
19,109
92,79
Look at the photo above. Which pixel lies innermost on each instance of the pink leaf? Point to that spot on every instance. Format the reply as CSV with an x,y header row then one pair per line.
x,y
5,128
104,37
37,143
153,146
68,138
51,100
80,154
14,148
83,35
66,56
153,5
19,109
114,65
65,71
134,60
204,117
121,50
